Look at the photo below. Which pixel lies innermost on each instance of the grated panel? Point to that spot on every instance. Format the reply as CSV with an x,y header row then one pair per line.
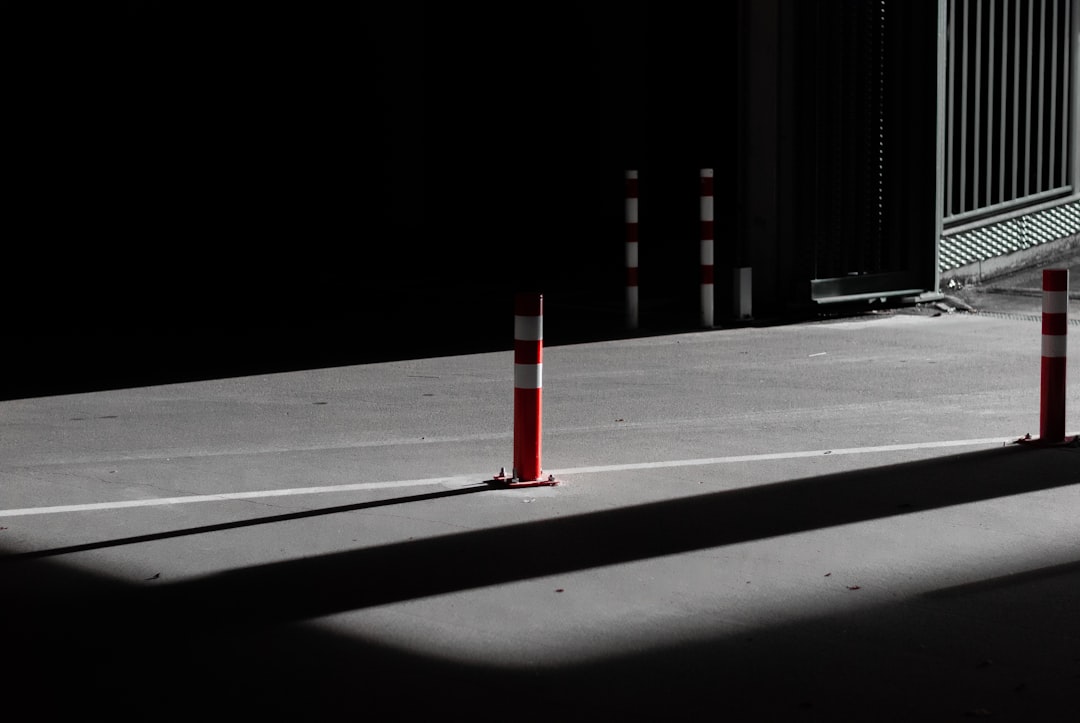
x,y
1009,236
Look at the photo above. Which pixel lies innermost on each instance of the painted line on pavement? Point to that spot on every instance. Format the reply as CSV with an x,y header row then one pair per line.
x,y
784,455
158,501
465,480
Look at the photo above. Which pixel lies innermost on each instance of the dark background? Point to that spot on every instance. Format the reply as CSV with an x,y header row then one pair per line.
x,y
205,187
201,189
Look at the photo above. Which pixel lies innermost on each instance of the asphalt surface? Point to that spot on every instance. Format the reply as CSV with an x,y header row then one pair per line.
x,y
822,520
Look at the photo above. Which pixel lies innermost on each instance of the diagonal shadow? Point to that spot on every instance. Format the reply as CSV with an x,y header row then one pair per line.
x,y
122,645
1003,582
362,578
237,524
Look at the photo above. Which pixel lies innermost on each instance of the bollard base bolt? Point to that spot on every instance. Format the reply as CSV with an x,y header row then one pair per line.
x,y
504,480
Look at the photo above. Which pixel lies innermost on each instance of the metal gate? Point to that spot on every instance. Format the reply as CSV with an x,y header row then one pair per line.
x,y
1010,136
1009,128
1010,105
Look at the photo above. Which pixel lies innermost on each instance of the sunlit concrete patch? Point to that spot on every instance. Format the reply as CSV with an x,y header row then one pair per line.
x,y
735,592
176,542
229,496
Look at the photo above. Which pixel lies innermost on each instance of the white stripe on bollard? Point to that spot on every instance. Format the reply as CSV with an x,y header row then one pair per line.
x,y
528,376
1054,346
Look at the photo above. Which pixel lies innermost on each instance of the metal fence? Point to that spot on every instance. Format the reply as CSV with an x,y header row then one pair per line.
x,y
1011,105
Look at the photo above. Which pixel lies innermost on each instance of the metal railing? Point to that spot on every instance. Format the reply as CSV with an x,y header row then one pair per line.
x,y
1011,105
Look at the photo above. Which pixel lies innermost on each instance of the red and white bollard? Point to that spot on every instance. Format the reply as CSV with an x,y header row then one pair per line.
x,y
528,387
1055,326
631,249
707,247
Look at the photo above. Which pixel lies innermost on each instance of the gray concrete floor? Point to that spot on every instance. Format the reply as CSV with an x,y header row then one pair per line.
x,y
825,520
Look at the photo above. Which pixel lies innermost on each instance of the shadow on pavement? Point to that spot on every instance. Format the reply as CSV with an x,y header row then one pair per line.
x,y
230,643
235,525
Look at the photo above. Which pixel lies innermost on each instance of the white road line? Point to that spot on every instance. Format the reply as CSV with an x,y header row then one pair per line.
x,y
784,455
461,481
466,480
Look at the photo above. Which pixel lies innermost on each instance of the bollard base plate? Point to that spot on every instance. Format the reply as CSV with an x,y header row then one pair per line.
x,y
1030,441
504,480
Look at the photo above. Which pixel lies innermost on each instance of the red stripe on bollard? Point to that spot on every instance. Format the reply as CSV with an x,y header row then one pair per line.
x,y
1056,280
1055,324
528,404
706,230
1052,400
528,305
528,408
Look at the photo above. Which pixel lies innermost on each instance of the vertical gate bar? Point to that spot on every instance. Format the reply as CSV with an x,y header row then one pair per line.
x,y
1072,81
1068,139
990,110
976,146
1040,151
1016,102
1027,104
950,139
963,113
1054,157
1001,101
